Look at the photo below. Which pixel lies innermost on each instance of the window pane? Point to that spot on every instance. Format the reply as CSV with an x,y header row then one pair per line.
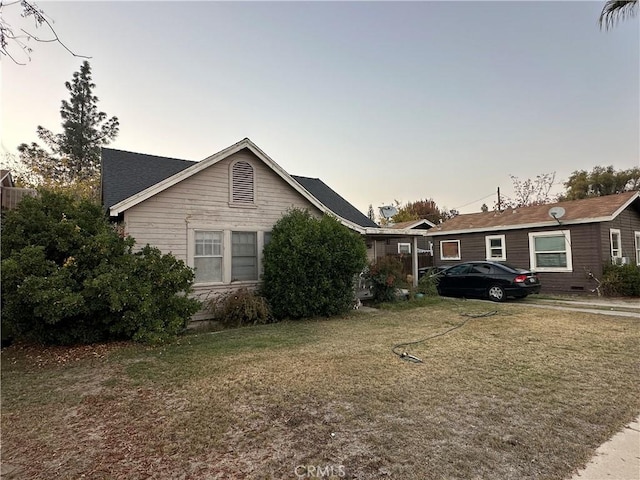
x,y
208,269
495,242
450,249
244,259
551,259
550,244
208,243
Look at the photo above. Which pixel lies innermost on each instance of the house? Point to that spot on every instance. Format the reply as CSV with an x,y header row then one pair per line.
x,y
403,245
567,243
217,214
10,195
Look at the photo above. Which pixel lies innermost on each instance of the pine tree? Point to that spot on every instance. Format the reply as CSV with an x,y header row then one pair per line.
x,y
74,156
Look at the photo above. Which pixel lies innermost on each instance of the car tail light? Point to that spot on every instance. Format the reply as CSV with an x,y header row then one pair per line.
x,y
520,279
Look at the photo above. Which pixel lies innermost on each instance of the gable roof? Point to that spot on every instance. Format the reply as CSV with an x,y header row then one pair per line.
x,y
422,223
588,210
334,202
126,173
130,178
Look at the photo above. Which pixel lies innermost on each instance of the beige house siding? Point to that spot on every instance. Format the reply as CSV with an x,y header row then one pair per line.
x,y
202,201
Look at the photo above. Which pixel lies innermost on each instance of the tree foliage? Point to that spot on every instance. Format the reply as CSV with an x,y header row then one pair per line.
x,y
617,10
418,210
73,156
600,181
309,266
69,277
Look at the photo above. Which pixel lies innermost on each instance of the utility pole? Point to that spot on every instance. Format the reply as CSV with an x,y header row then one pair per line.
x,y
499,202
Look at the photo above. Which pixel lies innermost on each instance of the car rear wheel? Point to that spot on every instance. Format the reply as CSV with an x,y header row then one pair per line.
x,y
496,293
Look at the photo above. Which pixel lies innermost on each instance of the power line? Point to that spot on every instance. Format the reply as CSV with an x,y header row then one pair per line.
x,y
480,199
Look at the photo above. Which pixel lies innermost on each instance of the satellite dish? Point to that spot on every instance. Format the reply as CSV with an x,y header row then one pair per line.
x,y
556,212
388,211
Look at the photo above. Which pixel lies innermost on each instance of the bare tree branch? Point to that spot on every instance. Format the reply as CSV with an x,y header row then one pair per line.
x,y
8,38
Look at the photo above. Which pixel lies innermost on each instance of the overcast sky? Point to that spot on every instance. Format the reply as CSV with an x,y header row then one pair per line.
x,y
383,101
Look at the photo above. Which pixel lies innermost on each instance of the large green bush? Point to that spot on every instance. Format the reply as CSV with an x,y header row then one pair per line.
x,y
69,277
621,281
309,266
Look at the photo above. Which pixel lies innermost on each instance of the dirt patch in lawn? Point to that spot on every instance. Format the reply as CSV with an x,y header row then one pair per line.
x,y
517,395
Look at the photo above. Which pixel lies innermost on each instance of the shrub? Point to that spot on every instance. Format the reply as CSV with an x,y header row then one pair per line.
x,y
385,276
68,277
428,284
621,281
309,266
239,308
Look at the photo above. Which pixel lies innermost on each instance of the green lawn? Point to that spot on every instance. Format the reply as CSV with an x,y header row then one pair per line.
x,y
525,393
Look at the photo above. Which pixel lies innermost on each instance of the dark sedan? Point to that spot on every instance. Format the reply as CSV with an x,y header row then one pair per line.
x,y
492,280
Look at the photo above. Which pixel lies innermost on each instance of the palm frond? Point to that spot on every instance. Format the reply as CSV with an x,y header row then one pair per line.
x,y
616,10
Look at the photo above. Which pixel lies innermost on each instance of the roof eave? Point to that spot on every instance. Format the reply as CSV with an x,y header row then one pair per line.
x,y
139,197
434,233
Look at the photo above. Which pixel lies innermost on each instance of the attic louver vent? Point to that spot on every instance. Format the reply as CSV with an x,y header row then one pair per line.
x,y
242,183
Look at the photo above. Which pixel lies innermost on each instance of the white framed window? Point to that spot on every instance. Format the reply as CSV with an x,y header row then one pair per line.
x,y
496,247
615,240
450,250
637,237
207,256
244,256
242,184
404,248
550,251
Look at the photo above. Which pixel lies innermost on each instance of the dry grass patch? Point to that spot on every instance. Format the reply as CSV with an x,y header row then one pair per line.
x,y
523,394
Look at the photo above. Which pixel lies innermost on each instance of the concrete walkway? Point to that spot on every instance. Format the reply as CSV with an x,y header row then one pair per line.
x,y
616,459
615,307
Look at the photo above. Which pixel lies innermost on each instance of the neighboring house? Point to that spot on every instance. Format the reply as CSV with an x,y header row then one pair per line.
x,y
217,214
404,245
10,195
567,243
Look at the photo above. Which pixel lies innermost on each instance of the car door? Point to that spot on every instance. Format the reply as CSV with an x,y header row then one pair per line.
x,y
452,281
478,279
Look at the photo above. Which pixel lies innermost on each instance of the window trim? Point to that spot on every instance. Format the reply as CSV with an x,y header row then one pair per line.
x,y
192,261
257,255
616,232
442,257
403,244
503,247
636,235
553,233
198,225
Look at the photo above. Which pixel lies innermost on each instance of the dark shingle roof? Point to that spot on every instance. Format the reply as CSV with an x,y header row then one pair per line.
x,y
334,202
126,173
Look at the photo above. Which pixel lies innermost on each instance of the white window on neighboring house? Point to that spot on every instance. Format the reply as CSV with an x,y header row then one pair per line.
x,y
244,256
404,248
207,258
637,237
496,247
616,245
242,183
550,251
450,250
